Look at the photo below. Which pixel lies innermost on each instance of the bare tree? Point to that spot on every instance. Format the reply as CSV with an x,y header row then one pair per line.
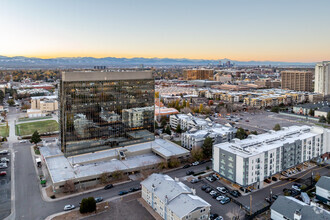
x,y
69,186
104,178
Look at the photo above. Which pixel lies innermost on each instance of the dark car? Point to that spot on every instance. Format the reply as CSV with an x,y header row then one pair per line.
x,y
186,166
275,197
214,196
98,199
133,189
109,186
190,172
122,193
203,161
208,189
267,181
235,193
268,199
274,178
213,216
204,187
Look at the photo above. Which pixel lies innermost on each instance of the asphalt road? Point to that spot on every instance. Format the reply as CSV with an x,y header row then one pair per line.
x,y
5,189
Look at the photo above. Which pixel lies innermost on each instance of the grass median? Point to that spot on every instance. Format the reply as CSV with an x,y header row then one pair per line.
x,y
4,131
40,126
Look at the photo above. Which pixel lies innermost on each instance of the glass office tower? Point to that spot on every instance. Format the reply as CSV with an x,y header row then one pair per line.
x,y
102,110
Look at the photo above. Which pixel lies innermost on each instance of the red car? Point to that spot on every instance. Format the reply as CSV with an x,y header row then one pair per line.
x,y
3,173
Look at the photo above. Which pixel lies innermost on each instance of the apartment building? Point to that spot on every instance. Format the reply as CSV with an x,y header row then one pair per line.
x,y
172,199
194,139
194,74
248,162
322,78
297,80
187,122
44,104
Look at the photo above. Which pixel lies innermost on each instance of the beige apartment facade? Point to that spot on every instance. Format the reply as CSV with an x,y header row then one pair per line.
x,y
297,80
195,74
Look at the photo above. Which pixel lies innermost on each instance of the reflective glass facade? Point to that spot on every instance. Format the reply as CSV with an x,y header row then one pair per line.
x,y
105,113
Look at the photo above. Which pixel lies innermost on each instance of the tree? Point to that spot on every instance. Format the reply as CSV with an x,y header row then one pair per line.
x,y
163,123
184,103
11,102
117,175
156,95
277,127
178,129
311,112
2,96
35,138
207,147
328,117
201,108
197,154
254,132
275,109
156,125
241,134
168,130
87,205
69,186
173,162
188,104
104,178
7,78
322,119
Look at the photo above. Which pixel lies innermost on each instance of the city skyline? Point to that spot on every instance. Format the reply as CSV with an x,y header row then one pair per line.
x,y
238,30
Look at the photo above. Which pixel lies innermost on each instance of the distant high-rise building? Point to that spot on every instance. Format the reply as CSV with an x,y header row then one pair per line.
x,y
322,78
102,110
297,80
195,74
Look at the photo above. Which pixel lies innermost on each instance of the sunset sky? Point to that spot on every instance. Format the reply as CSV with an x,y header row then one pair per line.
x,y
275,30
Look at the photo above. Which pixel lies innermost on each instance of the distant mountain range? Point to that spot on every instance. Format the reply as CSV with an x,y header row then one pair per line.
x,y
90,62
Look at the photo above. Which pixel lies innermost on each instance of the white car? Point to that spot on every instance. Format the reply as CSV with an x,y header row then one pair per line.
x,y
23,141
69,207
219,198
195,163
222,189
3,165
4,160
213,192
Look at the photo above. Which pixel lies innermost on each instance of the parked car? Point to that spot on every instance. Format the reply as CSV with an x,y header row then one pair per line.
x,y
195,180
225,201
216,195
133,189
274,178
275,197
4,152
215,176
219,218
210,178
295,187
109,186
267,181
23,141
186,166
204,187
268,199
235,193
195,163
122,192
213,216
213,192
98,199
69,207
219,198
3,165
3,173
4,160
190,172
247,121
208,189
222,190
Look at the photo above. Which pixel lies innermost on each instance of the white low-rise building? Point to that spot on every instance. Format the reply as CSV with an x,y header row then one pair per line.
x,y
194,138
187,122
172,199
323,189
248,162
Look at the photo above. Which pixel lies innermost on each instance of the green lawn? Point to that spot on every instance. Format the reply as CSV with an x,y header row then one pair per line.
x,y
40,126
4,132
33,119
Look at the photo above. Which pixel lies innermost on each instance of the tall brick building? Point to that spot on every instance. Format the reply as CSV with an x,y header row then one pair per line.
x,y
297,80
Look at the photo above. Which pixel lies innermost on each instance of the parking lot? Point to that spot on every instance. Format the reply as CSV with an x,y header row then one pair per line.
x,y
5,188
260,121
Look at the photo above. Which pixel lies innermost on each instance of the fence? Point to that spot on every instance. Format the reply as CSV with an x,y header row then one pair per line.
x,y
260,211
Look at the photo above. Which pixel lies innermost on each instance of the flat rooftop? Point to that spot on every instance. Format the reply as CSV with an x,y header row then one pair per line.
x,y
104,75
256,144
89,165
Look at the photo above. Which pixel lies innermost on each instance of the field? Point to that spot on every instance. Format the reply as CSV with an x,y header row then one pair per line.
x,y
4,132
40,126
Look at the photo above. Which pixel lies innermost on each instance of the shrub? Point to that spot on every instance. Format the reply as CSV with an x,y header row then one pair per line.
x,y
52,196
207,167
87,205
